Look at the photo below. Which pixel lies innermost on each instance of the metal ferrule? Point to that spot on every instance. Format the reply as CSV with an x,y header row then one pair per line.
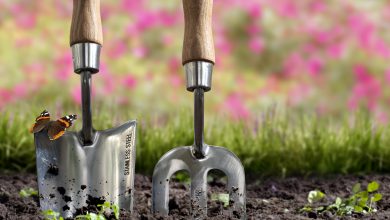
x,y
198,75
86,57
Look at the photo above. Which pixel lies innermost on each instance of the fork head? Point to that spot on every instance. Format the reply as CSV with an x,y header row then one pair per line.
x,y
182,158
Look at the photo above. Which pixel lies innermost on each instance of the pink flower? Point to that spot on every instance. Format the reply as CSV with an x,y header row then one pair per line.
x,y
20,90
130,82
361,73
367,90
382,117
140,51
315,66
234,105
146,20
175,80
23,18
256,45
131,5
118,50
109,84
380,47
168,19
272,85
254,11
132,31
35,67
5,95
321,36
363,29
167,40
318,6
105,12
298,93
287,8
293,65
253,30
76,94
64,66
221,41
24,42
336,50
62,8
174,64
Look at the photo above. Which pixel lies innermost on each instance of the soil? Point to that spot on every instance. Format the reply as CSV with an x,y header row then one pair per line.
x,y
266,199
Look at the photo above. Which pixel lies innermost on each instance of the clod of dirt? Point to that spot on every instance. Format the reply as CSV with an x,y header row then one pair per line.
x,y
172,204
67,199
4,197
61,190
94,201
92,205
312,215
53,170
66,207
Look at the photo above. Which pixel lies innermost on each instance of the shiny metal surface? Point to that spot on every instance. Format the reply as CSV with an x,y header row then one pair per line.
x,y
199,158
80,166
181,158
86,57
198,75
105,169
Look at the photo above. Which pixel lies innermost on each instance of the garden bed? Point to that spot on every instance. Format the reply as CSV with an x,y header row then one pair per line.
x,y
266,199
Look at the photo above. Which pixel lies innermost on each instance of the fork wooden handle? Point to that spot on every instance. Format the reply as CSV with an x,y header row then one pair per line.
x,y
198,42
86,24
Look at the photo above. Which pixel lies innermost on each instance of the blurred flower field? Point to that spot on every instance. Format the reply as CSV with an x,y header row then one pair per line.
x,y
327,59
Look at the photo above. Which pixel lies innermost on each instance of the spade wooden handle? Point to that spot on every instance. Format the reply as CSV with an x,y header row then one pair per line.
x,y
86,24
198,42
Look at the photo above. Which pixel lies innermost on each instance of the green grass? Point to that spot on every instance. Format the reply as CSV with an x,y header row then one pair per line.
x,y
280,145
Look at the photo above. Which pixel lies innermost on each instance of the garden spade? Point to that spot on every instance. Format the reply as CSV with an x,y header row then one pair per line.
x,y
89,167
198,159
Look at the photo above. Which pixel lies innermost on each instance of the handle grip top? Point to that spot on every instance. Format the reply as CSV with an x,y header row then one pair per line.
x,y
198,42
86,24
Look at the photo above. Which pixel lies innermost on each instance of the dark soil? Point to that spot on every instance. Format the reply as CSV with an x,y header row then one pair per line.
x,y
266,199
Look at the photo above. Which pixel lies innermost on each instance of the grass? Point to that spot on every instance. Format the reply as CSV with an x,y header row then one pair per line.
x,y
276,145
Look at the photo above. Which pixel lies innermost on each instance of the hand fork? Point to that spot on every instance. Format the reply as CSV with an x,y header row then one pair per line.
x,y
200,158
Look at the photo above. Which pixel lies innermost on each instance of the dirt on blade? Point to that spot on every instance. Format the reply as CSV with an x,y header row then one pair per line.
x,y
266,199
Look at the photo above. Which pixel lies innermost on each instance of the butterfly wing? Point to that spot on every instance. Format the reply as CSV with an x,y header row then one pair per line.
x,y
40,122
57,128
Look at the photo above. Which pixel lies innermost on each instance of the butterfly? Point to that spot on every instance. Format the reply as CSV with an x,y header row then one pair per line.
x,y
55,129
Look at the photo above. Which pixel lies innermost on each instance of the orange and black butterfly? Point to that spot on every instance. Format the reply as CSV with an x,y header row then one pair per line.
x,y
55,129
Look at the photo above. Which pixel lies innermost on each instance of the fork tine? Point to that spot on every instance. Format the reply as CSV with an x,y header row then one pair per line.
x,y
199,194
169,164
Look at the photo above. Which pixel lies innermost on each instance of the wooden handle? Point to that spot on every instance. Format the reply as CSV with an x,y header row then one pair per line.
x,y
198,42
86,24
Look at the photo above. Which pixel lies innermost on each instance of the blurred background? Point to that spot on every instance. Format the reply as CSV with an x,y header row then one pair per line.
x,y
290,80
326,57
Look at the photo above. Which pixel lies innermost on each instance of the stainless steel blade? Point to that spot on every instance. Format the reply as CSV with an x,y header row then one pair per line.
x,y
70,174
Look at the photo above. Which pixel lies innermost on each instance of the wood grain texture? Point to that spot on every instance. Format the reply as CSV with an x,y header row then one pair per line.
x,y
198,42
86,24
